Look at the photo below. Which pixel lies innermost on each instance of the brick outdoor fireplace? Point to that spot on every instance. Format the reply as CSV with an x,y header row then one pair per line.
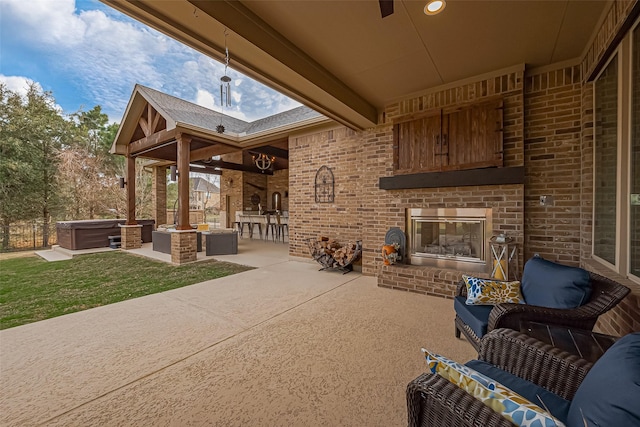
x,y
448,234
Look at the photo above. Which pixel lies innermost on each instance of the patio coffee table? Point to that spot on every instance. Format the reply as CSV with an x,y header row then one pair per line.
x,y
588,345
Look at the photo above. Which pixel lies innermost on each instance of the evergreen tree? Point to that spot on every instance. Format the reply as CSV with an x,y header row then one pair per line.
x,y
33,131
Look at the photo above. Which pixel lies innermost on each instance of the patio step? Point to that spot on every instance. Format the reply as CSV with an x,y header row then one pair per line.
x,y
53,255
57,253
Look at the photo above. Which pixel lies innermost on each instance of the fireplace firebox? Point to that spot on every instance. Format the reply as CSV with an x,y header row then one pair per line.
x,y
455,238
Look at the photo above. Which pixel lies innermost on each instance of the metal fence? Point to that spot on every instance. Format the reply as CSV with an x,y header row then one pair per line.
x,y
28,235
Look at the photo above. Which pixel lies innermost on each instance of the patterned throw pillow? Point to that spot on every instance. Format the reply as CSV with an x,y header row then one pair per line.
x,y
491,292
501,399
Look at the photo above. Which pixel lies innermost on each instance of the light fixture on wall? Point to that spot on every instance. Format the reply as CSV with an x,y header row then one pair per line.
x,y
122,182
173,172
433,7
262,161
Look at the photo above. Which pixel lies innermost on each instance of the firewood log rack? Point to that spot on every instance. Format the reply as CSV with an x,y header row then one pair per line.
x,y
328,262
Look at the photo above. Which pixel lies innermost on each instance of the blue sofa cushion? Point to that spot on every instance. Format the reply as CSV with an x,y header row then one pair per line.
x,y
557,406
610,393
547,284
475,316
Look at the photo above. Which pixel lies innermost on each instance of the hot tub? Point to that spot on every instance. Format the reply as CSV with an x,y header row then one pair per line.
x,y
94,233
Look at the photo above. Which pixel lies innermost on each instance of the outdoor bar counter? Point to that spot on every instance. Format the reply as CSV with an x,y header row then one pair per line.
x,y
94,233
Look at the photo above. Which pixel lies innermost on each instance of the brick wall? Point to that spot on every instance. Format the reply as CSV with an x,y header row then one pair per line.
x,y
254,188
548,121
553,164
241,186
231,185
340,150
159,190
363,211
278,182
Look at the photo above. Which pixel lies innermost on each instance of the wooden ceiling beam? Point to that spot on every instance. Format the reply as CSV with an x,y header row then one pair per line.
x,y
237,167
271,151
213,150
156,120
151,141
144,125
206,169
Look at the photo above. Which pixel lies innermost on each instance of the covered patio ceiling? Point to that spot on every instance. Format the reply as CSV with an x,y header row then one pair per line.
x,y
344,60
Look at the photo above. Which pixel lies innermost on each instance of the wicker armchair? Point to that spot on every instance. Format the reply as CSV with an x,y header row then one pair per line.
x,y
434,401
605,295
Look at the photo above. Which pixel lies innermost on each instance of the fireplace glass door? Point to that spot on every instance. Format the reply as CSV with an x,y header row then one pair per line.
x,y
453,238
459,239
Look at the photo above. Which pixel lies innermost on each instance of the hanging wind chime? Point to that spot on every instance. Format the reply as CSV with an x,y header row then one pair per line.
x,y
225,85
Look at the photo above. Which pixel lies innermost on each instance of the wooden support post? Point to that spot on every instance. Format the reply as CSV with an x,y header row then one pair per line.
x,y
183,182
131,191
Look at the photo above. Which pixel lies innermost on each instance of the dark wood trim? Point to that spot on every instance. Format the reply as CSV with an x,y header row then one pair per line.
x,y
131,190
236,167
271,151
184,143
464,178
206,169
624,29
152,141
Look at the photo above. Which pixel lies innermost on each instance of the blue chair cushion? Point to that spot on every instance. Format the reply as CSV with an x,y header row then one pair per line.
x,y
475,316
610,393
547,284
556,405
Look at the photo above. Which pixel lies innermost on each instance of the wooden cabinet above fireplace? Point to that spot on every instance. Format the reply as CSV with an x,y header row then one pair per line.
x,y
460,138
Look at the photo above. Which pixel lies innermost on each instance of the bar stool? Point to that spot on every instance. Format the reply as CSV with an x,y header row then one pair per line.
x,y
252,225
281,227
270,226
247,222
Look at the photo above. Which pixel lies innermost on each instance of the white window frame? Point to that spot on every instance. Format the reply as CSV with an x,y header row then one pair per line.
x,y
623,54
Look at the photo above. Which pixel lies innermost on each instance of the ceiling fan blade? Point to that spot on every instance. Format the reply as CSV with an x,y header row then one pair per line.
x,y
386,7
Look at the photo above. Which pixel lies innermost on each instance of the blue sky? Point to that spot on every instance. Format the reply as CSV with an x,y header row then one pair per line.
x,y
88,54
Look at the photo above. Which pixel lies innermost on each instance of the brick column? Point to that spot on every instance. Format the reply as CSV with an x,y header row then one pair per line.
x,y
183,246
159,185
131,236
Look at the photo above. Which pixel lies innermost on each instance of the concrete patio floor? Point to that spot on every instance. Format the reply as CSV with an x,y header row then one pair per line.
x,y
284,344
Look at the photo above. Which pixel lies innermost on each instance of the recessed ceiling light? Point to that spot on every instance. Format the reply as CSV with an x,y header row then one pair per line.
x,y
434,7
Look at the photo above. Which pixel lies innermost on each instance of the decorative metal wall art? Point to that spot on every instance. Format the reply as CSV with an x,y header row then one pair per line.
x,y
324,185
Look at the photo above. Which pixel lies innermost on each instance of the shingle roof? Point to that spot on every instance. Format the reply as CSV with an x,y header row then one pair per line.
x,y
201,184
185,112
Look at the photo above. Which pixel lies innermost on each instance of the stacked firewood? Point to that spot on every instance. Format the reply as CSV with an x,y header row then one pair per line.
x,y
345,254
331,254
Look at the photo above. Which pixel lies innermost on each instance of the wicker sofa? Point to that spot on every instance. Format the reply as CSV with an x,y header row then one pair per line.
x,y
608,393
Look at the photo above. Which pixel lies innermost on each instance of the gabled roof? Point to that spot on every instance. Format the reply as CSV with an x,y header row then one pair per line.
x,y
186,116
180,111
201,184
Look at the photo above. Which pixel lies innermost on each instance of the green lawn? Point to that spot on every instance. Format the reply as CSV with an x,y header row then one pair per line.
x,y
32,289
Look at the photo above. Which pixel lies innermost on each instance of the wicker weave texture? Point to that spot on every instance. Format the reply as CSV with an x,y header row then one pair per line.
x,y
605,295
434,401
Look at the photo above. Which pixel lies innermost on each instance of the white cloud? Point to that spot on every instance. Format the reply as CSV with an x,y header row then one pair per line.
x,y
105,55
20,85
205,99
55,19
